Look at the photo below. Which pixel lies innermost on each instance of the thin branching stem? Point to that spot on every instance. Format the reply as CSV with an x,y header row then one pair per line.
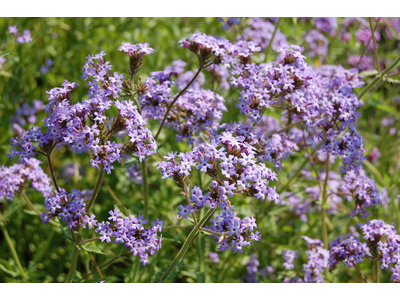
x,y
116,198
96,265
376,267
11,246
324,201
74,261
145,190
38,212
52,173
375,47
96,188
359,272
378,78
176,99
105,265
187,243
278,24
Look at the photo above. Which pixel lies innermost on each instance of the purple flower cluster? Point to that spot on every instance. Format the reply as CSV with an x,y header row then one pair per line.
x,y
365,64
44,69
196,111
289,256
317,261
229,22
235,233
347,250
260,31
141,141
83,126
364,37
23,38
26,114
327,25
252,270
2,61
386,250
131,232
214,258
133,173
317,43
315,266
363,190
211,50
260,86
137,49
15,177
70,208
230,160
351,23
328,106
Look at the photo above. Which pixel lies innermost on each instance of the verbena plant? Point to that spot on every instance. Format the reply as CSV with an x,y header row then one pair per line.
x,y
284,110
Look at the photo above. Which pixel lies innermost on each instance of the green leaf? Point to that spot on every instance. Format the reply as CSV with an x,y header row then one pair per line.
x,y
277,210
391,80
368,73
5,267
173,274
379,176
4,53
66,234
30,212
91,248
131,162
11,209
388,109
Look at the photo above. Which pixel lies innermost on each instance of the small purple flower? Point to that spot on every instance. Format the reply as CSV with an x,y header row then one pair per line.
x,y
184,211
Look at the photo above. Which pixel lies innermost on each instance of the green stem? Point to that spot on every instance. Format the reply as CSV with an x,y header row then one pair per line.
x,y
136,270
175,99
106,264
200,242
296,174
52,173
378,78
359,272
293,124
375,48
278,24
31,206
116,198
73,263
96,189
187,243
366,47
11,246
376,265
324,200
145,190
89,240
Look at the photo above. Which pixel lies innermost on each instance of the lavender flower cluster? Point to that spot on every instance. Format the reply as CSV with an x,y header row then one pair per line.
x,y
70,208
387,251
23,38
131,232
26,114
21,176
317,262
363,190
2,61
347,250
84,126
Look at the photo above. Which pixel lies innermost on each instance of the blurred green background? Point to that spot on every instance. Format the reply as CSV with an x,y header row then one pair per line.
x,y
43,250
